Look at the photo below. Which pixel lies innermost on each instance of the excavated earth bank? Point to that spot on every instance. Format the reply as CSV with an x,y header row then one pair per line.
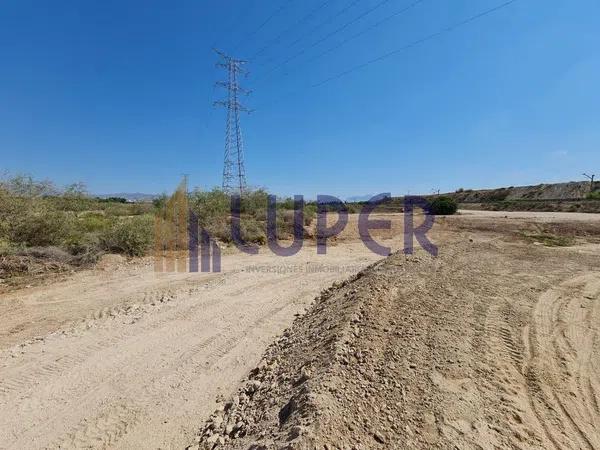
x,y
493,344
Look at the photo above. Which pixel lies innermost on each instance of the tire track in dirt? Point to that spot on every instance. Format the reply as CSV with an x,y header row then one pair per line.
x,y
116,376
563,342
167,341
35,373
505,353
102,432
109,427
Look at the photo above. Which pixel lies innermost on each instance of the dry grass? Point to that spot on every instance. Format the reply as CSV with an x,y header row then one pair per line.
x,y
549,239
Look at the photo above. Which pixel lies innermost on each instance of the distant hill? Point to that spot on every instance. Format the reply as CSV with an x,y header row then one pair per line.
x,y
360,198
572,190
570,196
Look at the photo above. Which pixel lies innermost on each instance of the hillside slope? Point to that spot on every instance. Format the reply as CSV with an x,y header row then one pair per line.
x,y
573,190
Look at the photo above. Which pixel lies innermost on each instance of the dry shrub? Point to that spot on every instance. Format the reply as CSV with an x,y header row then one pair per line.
x,y
129,236
39,226
55,254
34,261
213,209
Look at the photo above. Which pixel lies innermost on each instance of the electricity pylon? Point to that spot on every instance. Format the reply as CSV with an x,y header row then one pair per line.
x,y
234,173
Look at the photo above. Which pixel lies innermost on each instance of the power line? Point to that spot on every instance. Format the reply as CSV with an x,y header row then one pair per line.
x,y
408,46
262,25
212,110
417,42
366,30
277,38
316,28
233,24
331,34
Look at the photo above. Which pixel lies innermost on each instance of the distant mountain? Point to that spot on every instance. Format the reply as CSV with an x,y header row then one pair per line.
x,y
360,198
131,196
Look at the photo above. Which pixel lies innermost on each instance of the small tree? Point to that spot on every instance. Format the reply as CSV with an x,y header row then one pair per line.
x,y
76,190
444,206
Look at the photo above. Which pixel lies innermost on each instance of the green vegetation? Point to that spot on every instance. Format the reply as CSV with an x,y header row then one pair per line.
x,y
444,206
214,210
46,229
549,239
593,195
130,236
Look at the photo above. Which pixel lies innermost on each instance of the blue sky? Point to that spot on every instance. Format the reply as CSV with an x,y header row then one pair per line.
x,y
118,94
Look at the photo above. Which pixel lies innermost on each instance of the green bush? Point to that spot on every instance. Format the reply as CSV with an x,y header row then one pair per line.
x,y
210,205
92,222
112,200
39,225
254,231
7,248
214,210
159,202
310,212
47,229
130,236
444,206
86,249
593,195
36,214
118,209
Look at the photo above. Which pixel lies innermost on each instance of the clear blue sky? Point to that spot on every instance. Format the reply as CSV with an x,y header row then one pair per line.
x,y
118,94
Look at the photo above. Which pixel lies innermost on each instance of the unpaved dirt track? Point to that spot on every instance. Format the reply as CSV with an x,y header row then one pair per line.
x,y
493,344
130,358
538,216
562,348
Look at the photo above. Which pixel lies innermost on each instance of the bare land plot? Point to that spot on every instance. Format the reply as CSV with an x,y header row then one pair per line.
x,y
126,358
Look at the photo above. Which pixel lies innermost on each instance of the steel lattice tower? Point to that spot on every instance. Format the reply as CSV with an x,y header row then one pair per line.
x,y
234,173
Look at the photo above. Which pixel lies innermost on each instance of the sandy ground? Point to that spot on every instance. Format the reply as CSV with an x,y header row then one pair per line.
x,y
126,358
537,216
493,344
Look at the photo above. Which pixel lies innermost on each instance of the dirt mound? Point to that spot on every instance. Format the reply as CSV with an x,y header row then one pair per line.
x,y
417,352
307,379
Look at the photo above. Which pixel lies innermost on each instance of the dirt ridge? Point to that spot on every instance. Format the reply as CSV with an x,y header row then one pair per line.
x,y
461,351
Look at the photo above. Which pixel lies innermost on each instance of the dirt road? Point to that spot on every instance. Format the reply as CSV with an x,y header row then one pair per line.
x,y
132,359
537,216
126,358
493,344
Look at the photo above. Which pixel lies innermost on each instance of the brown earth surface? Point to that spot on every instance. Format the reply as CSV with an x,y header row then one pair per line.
x,y
572,190
493,344
494,341
123,357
